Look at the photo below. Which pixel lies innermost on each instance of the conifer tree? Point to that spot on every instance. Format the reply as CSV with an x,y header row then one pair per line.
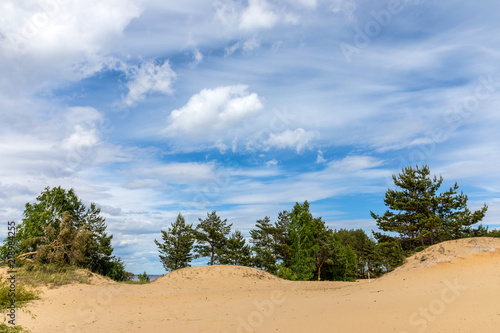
x,y
211,235
281,236
302,239
236,251
59,228
177,246
423,217
264,245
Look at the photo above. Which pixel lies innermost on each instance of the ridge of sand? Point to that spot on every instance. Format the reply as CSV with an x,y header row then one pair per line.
x,y
447,288
449,252
217,277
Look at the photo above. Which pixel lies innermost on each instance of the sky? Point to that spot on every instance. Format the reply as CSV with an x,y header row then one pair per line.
x,y
155,108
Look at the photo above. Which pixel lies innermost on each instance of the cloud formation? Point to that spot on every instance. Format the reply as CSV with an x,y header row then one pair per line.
x,y
298,139
211,112
150,78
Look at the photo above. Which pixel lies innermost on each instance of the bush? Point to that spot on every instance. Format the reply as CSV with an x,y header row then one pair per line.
x,y
4,328
286,273
143,278
23,294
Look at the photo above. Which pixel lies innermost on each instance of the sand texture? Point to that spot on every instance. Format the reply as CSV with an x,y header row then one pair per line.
x,y
449,287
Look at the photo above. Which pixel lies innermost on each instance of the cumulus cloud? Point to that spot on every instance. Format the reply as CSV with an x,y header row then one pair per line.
x,y
257,15
298,139
149,78
213,111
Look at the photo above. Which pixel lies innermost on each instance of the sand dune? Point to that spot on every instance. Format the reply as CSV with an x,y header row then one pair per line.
x,y
450,287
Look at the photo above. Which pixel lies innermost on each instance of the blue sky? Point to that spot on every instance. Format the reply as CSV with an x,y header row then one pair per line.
x,y
151,108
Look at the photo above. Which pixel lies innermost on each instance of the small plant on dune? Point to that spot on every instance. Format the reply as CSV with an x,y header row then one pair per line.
x,y
4,328
51,274
143,278
23,295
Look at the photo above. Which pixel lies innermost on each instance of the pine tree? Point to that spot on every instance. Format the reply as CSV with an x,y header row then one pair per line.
x,y
423,217
281,237
236,251
177,246
211,235
59,228
264,245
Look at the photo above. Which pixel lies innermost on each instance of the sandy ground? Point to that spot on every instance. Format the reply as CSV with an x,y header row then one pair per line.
x,y
451,287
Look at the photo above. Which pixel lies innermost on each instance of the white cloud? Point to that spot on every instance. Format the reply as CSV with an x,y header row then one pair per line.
x,y
258,15
64,39
231,49
355,163
251,44
149,78
298,139
320,159
271,163
197,58
212,111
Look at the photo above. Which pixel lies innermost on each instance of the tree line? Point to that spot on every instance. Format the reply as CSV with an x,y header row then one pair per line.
x,y
59,229
298,246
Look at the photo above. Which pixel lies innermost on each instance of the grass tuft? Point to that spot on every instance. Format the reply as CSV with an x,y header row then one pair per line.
x,y
52,275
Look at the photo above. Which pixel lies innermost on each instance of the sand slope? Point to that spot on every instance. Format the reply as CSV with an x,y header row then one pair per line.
x,y
450,287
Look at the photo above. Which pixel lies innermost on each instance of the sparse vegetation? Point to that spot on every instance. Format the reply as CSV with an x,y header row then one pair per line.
x,y
24,294
4,328
52,275
144,278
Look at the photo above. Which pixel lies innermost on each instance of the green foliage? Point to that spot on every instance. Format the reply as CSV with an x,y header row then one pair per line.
x,y
211,235
420,216
286,273
281,236
143,278
493,233
115,269
368,253
59,229
176,249
302,234
51,274
392,253
236,252
4,328
344,264
264,245
23,294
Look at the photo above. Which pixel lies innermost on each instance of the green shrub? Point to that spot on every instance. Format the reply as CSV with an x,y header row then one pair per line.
x,y
4,328
143,278
23,294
